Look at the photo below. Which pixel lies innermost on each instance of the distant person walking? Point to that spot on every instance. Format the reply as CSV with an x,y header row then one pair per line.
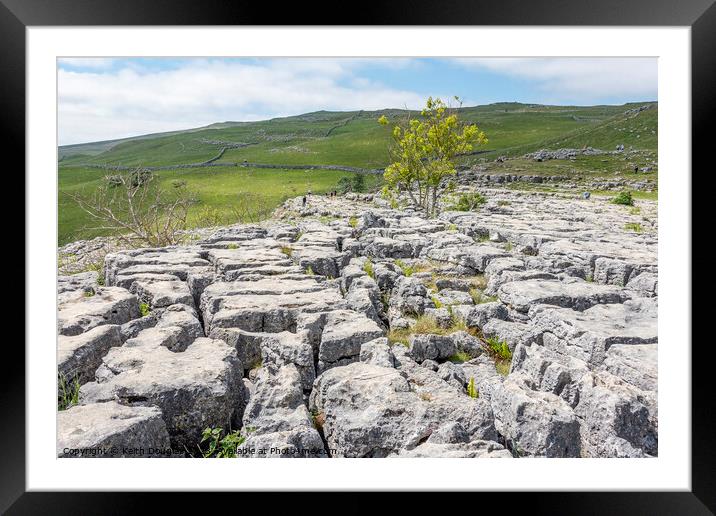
x,y
304,201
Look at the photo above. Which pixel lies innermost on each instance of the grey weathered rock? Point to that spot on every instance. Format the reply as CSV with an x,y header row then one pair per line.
x,y
85,281
477,316
452,374
286,348
410,296
513,333
475,258
111,430
467,343
452,284
276,419
535,423
577,302
431,347
372,411
618,420
268,305
548,371
579,296
159,294
377,352
80,356
469,450
588,335
185,318
381,247
79,312
343,334
454,297
646,284
197,388
131,329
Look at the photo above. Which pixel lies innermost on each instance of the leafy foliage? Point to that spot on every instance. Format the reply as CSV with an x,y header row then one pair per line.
x,y
351,184
469,202
624,198
499,348
221,447
460,357
423,154
408,270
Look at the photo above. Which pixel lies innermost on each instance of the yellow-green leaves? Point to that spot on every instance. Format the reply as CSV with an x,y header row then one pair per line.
x,y
423,152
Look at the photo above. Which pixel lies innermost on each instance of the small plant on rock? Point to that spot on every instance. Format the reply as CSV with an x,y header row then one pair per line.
x,y
469,202
89,293
479,297
232,246
499,347
353,222
144,309
460,357
221,447
287,250
426,324
399,336
503,367
633,226
407,269
69,392
309,271
624,198
471,389
368,268
436,302
319,419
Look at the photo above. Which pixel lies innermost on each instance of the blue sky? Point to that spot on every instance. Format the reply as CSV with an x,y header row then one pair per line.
x,y
107,98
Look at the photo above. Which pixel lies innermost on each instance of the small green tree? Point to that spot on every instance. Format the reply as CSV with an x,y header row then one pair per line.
x,y
423,154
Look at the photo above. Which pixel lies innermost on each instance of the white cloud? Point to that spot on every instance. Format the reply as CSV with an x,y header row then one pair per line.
x,y
130,100
87,62
579,78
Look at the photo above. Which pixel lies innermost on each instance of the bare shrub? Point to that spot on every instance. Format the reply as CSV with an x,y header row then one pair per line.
x,y
251,207
135,209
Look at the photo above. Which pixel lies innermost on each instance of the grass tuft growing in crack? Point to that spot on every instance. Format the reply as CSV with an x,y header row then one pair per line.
x,y
471,389
368,268
68,392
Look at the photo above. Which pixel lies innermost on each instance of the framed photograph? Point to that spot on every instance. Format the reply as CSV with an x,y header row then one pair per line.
x,y
438,251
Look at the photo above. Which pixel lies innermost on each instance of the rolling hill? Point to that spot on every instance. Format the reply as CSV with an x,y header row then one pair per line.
x,y
350,139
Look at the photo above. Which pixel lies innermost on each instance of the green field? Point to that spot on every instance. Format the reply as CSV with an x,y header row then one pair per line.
x,y
349,139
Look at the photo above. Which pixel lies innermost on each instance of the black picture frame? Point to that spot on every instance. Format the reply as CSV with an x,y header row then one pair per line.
x,y
700,15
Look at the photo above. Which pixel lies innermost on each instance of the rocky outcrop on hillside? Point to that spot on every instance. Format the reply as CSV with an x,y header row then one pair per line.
x,y
346,328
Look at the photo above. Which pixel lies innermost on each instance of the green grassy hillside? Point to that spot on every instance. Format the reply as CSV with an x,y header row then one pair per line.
x,y
339,138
